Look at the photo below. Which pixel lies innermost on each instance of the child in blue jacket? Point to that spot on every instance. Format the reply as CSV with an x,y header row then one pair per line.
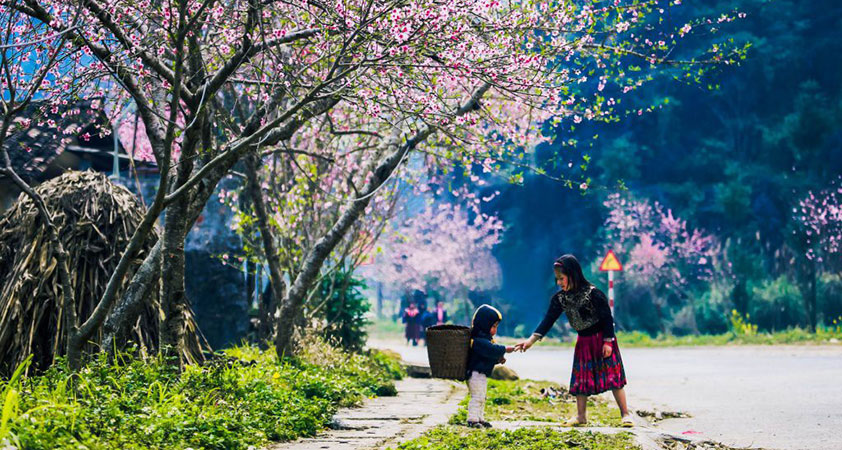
x,y
484,354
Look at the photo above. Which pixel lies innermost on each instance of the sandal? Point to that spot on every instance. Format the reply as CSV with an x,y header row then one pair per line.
x,y
574,422
475,425
626,421
485,424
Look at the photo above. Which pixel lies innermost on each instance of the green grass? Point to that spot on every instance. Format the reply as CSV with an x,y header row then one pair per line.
x,y
244,398
745,335
823,335
793,336
521,400
462,438
380,328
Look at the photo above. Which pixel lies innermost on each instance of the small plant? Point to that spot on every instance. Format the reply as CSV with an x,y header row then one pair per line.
x,y
741,326
11,405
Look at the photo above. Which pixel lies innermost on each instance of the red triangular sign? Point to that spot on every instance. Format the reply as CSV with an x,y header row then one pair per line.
x,y
610,262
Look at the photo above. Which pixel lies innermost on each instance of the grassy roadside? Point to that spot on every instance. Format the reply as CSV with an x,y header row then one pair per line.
x,y
829,335
521,400
794,336
461,438
244,398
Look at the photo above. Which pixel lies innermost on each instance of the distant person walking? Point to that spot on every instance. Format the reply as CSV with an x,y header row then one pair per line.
x,y
412,319
597,365
440,313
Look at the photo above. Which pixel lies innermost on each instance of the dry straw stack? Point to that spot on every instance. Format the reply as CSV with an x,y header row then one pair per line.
x,y
96,219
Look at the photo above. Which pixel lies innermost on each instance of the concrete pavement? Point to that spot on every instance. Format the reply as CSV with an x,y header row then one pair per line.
x,y
420,405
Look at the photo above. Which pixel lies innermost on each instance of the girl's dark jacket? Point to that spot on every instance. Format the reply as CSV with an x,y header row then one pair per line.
x,y
484,353
586,309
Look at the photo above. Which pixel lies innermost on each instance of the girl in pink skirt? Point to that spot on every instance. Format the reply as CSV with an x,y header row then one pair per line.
x,y
597,365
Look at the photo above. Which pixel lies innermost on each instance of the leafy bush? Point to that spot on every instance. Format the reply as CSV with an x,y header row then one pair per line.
x,y
777,304
830,297
242,398
712,308
342,307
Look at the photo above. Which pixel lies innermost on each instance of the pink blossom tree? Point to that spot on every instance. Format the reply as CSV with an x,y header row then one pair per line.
x,y
819,217
664,254
471,81
818,235
445,247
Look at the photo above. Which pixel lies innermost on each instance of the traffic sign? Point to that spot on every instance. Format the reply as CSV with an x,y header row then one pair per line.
x,y
610,262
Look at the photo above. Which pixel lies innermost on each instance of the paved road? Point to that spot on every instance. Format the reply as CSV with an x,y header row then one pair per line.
x,y
782,397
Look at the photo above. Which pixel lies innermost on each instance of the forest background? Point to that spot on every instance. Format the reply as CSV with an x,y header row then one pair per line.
x,y
709,200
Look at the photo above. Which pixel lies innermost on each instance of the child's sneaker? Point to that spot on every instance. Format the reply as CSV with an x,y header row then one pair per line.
x,y
485,424
475,425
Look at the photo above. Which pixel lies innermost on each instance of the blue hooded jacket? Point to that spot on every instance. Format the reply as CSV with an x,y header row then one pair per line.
x,y
484,353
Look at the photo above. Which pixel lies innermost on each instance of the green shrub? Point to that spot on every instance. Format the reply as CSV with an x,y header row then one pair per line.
x,y
829,297
342,307
243,397
777,305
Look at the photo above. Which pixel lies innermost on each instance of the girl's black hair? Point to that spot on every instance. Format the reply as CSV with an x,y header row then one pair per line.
x,y
569,265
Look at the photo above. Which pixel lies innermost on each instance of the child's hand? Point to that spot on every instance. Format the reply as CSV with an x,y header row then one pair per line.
x,y
502,361
510,349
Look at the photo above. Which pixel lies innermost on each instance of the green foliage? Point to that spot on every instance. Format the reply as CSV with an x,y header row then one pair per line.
x,y
11,403
384,329
711,309
830,297
461,438
343,307
733,161
777,304
741,326
241,398
823,335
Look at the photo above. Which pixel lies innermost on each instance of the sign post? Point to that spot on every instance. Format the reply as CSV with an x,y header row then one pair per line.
x,y
610,264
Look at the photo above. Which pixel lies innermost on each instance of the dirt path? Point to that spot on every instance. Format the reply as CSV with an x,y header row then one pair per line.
x,y
774,397
381,422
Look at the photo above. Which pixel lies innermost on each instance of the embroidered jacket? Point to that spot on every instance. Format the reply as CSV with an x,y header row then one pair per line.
x,y
586,309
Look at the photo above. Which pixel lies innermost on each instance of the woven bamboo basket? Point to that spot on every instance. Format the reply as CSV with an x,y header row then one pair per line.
x,y
447,349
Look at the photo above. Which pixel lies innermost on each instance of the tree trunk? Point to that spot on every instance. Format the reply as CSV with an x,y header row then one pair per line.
x,y
810,295
251,268
174,302
658,311
173,296
379,300
270,250
119,323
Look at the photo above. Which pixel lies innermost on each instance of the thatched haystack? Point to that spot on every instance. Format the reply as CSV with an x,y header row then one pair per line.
x,y
96,219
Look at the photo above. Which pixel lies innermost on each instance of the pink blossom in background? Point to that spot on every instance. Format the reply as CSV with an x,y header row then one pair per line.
x,y
441,247
819,218
662,250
